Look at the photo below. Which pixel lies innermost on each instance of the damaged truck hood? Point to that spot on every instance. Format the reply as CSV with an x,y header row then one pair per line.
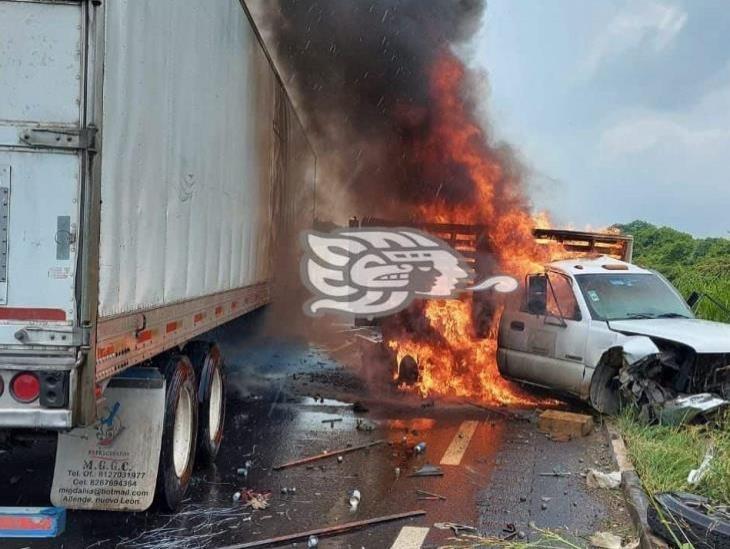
x,y
703,336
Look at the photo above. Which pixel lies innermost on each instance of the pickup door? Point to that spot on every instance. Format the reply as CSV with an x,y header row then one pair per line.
x,y
543,342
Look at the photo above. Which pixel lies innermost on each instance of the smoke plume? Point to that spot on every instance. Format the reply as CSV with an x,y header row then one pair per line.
x,y
362,73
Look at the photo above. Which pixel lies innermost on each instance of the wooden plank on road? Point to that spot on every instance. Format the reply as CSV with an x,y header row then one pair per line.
x,y
410,537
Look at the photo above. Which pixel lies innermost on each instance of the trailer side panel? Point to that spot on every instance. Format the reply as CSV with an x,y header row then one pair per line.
x,y
186,186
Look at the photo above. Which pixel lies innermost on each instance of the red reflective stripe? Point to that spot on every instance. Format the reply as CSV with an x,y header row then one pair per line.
x,y
103,352
218,310
10,522
144,336
171,327
198,317
21,313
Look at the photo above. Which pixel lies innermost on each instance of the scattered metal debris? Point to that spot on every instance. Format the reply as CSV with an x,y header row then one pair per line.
x,y
428,471
323,532
556,473
686,408
328,454
430,494
363,425
454,527
420,448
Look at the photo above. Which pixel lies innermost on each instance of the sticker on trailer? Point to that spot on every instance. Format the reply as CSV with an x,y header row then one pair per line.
x,y
112,465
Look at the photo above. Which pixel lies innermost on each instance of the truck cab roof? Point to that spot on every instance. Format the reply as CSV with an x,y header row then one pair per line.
x,y
595,265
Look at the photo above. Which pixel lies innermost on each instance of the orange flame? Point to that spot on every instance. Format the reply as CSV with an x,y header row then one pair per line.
x,y
452,359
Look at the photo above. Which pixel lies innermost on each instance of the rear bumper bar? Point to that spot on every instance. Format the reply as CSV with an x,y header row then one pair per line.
x,y
35,418
15,415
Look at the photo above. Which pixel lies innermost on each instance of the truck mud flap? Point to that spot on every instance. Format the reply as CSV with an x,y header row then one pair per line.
x,y
112,465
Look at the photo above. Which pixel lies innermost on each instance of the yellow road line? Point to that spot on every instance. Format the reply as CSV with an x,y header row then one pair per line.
x,y
456,450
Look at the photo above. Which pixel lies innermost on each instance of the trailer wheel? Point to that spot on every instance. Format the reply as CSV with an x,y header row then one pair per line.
x,y
180,430
208,363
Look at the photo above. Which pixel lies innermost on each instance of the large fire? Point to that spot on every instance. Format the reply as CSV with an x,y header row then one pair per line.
x,y
452,359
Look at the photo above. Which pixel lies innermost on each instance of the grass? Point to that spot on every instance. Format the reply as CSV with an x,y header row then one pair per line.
x,y
663,456
712,280
548,540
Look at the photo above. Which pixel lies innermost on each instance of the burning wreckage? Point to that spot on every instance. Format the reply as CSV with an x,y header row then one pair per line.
x,y
591,325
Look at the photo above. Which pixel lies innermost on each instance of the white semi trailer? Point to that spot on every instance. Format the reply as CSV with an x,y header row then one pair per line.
x,y
150,160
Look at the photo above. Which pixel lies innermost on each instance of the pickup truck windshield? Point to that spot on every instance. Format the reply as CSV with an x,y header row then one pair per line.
x,y
630,296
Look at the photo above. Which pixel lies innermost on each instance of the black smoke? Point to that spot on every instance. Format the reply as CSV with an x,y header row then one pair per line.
x,y
359,73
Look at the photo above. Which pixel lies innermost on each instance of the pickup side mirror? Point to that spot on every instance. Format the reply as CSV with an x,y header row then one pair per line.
x,y
693,299
537,287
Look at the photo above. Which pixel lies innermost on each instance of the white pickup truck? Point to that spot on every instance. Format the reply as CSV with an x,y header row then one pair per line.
x,y
607,331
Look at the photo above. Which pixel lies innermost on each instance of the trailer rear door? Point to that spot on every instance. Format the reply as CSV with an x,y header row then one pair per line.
x,y
41,84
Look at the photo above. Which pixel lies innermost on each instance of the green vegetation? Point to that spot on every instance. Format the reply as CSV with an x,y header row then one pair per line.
x,y
664,456
691,264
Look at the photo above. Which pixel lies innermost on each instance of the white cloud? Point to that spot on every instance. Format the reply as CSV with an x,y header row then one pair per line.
x,y
646,131
699,130
642,23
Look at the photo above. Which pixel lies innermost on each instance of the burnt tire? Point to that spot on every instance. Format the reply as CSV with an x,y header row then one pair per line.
x,y
179,434
208,363
684,523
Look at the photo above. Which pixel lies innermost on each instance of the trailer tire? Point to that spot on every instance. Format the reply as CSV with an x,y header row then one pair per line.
x,y
180,430
209,367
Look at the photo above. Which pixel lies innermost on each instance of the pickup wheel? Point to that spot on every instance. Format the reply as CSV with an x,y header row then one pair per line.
x,y
605,396
208,364
179,434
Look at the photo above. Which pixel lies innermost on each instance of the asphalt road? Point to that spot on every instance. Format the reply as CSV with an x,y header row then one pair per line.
x,y
281,394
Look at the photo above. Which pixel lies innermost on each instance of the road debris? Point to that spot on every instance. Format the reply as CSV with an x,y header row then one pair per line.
x,y
564,425
324,532
605,540
256,500
327,454
454,527
359,408
696,475
556,473
686,408
430,494
420,448
598,479
332,421
354,499
428,471
312,542
364,425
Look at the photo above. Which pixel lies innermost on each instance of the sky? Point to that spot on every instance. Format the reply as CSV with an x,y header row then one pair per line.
x,y
619,109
